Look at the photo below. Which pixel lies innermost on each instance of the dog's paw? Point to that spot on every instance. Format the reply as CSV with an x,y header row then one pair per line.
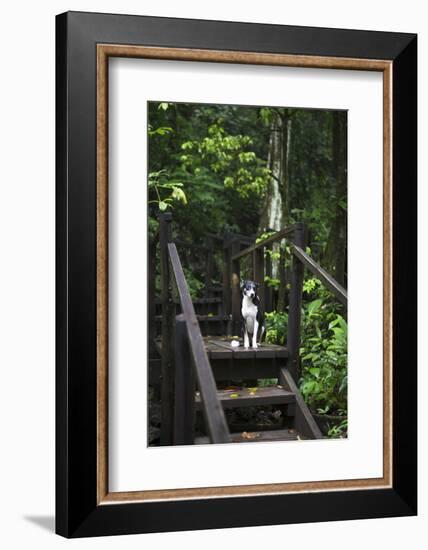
x,y
255,346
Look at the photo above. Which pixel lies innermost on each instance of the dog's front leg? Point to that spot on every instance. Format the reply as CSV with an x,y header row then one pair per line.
x,y
246,338
256,329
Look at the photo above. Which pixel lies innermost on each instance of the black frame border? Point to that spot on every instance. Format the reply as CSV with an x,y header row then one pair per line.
x,y
77,513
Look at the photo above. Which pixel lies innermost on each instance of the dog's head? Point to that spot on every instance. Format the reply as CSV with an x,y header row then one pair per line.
x,y
249,288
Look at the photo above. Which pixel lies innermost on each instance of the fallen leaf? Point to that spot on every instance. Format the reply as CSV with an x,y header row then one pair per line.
x,y
250,435
234,395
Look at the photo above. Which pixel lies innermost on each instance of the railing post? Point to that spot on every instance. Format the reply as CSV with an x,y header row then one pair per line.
x,y
168,322
259,273
282,276
152,296
268,288
184,411
227,275
209,243
236,293
295,309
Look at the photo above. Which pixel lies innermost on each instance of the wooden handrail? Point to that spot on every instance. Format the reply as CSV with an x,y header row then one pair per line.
x,y
213,411
279,235
331,283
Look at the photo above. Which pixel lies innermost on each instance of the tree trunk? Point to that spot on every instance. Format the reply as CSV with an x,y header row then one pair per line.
x,y
275,212
271,216
285,188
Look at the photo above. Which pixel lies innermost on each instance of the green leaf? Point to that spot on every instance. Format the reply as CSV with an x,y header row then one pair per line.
x,y
314,306
163,130
179,194
163,205
333,323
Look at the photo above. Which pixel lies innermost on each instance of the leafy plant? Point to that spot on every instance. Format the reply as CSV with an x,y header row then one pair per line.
x,y
163,191
338,431
228,157
193,282
264,236
310,285
272,282
276,327
324,357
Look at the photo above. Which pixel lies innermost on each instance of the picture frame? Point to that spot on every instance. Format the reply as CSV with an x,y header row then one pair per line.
x,y
84,44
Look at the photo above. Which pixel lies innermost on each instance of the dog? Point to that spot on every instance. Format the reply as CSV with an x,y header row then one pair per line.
x,y
252,314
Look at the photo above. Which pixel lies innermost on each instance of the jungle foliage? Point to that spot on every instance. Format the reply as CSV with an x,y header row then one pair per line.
x,y
251,170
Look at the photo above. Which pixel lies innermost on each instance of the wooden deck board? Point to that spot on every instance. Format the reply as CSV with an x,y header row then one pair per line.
x,y
214,351
252,397
265,351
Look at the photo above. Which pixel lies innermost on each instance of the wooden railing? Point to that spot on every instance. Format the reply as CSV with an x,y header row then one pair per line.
x,y
279,235
184,359
296,235
331,283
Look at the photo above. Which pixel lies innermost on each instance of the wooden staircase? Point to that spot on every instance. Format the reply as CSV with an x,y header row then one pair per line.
x,y
297,421
275,395
243,368
201,372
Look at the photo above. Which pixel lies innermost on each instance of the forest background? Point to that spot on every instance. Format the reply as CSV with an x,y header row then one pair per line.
x,y
254,170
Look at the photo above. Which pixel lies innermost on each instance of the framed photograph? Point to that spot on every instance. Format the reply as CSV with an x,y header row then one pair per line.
x,y
230,198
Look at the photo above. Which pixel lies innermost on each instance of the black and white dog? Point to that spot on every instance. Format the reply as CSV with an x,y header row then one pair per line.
x,y
252,314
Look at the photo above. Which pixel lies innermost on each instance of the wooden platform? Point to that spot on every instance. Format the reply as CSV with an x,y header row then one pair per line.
x,y
230,363
219,347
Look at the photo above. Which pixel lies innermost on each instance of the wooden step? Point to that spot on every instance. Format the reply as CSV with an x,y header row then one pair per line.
x,y
212,318
209,300
215,289
205,318
252,397
254,437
